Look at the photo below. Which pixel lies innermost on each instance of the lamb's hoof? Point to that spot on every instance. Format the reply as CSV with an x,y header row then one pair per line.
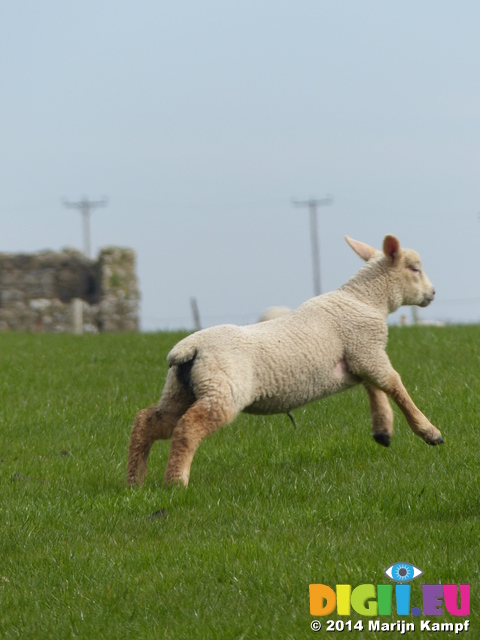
x,y
136,480
176,481
382,438
435,441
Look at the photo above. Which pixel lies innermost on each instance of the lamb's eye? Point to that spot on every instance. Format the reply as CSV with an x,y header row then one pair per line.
x,y
403,572
414,269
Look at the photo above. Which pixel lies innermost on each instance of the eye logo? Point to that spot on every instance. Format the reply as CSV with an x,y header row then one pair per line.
x,y
403,572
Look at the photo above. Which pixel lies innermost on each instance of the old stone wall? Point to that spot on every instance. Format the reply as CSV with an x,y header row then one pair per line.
x,y
55,292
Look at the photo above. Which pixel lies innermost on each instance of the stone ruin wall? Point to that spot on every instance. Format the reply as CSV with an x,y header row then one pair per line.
x,y
67,292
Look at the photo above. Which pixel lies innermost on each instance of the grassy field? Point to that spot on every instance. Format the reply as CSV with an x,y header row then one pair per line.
x,y
269,510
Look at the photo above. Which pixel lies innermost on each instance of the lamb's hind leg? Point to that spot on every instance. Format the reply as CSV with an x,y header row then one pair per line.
x,y
150,424
202,419
381,415
155,423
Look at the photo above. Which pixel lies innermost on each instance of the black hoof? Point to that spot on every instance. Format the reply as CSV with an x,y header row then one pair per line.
x,y
382,438
438,440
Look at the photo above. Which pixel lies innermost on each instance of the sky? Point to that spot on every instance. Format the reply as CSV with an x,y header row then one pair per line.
x,y
200,121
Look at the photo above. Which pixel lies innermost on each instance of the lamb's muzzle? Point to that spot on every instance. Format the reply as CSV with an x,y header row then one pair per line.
x,y
329,344
428,299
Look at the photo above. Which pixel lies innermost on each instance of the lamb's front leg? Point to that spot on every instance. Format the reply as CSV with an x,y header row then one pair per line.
x,y
381,415
376,370
417,422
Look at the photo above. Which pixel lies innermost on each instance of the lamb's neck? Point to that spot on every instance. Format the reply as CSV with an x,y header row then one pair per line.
x,y
371,285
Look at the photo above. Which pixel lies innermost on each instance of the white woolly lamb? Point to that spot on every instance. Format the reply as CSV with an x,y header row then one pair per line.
x,y
327,345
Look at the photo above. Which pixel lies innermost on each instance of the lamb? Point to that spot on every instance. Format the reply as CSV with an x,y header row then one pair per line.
x,y
329,344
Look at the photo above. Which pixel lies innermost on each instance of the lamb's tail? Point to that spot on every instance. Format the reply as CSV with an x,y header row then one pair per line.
x,y
182,358
185,351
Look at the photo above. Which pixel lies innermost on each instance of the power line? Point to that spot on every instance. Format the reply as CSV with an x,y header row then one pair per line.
x,y
86,207
312,205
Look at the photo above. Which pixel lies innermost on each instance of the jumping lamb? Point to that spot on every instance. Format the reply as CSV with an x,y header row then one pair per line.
x,y
329,344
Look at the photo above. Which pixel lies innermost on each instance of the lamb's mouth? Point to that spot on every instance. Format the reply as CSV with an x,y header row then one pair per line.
x,y
426,301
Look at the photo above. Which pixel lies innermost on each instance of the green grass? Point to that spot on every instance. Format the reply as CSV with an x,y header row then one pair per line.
x,y
269,510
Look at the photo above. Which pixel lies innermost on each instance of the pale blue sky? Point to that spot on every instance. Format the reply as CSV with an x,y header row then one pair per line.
x,y
201,120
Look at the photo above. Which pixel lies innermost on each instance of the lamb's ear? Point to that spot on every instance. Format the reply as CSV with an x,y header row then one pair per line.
x,y
365,251
391,248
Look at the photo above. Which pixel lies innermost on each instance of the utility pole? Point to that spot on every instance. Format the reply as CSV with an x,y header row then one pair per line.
x,y
86,207
312,205
195,314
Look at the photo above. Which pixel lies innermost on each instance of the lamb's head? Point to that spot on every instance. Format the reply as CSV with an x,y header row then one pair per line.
x,y
413,282
407,281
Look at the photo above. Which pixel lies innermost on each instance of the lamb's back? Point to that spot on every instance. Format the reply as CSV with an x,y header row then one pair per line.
x,y
277,365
